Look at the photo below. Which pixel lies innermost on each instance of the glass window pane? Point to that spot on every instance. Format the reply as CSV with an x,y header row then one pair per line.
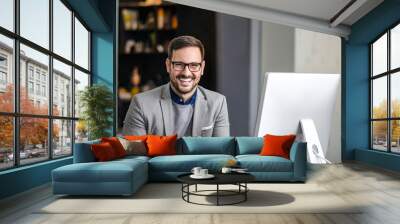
x,y
6,142
35,21
395,94
33,140
62,89
81,45
6,74
395,47
379,97
81,81
379,56
379,135
62,138
81,131
395,136
7,14
34,97
62,29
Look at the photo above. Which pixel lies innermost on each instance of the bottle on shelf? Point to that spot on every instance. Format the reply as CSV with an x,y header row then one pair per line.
x,y
174,22
150,21
130,19
160,18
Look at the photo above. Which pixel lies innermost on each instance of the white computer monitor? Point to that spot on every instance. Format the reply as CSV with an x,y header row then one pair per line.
x,y
287,98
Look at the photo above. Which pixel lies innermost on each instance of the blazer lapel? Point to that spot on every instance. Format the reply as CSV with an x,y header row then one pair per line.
x,y
166,109
200,110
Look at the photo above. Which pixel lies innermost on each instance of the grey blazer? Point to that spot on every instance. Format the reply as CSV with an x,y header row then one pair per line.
x,y
151,113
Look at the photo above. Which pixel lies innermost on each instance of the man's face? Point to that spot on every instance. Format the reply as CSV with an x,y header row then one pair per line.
x,y
185,69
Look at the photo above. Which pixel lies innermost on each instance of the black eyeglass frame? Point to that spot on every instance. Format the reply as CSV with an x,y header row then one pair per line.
x,y
188,65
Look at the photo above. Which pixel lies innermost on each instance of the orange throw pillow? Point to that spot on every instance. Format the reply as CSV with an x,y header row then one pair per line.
x,y
136,137
161,145
116,145
103,152
277,145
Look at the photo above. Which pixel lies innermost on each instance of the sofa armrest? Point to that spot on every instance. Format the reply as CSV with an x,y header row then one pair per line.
x,y
83,152
298,156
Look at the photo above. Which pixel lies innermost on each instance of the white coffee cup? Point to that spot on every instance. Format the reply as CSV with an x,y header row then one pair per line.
x,y
226,170
196,170
203,172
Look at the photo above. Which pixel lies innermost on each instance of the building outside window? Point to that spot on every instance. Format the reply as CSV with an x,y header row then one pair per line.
x,y
30,72
3,78
44,78
34,75
38,89
3,72
385,91
37,75
43,90
30,87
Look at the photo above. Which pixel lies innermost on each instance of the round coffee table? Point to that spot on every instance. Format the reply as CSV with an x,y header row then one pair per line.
x,y
238,179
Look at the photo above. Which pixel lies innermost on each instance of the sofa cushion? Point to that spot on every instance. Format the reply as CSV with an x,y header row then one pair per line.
x,y
277,145
116,145
111,171
131,158
206,145
83,152
134,147
136,137
103,152
161,145
257,163
249,145
185,163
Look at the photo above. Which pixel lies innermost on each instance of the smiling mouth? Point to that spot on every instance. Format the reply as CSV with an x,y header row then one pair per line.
x,y
185,79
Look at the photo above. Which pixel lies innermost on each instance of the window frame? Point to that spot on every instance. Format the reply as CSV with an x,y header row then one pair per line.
x,y
388,74
16,114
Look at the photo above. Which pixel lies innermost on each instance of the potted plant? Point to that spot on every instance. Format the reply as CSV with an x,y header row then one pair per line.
x,y
96,102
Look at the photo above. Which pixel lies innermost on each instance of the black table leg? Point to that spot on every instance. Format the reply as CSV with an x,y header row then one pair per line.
x,y
188,190
182,189
245,193
217,194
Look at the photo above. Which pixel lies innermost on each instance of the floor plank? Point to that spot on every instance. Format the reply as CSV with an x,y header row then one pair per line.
x,y
377,189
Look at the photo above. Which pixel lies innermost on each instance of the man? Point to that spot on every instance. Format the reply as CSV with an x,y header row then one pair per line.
x,y
181,106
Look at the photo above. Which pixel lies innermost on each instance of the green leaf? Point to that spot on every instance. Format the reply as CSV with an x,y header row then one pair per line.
x,y
97,103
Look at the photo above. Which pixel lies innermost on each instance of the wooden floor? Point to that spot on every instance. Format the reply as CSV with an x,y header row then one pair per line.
x,y
377,188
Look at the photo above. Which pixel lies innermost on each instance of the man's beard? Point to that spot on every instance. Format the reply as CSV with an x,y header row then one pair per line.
x,y
184,91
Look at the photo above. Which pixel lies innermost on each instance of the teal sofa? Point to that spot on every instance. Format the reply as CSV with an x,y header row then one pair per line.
x,y
125,176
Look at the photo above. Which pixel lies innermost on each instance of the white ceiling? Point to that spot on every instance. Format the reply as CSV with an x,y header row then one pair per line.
x,y
315,15
321,9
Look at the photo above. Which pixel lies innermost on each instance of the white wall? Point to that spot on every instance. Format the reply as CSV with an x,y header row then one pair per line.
x,y
277,48
321,53
286,49
316,52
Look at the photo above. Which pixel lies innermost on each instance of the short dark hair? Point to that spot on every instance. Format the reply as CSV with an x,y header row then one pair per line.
x,y
185,41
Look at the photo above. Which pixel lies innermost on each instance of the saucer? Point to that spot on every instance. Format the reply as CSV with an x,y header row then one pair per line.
x,y
208,176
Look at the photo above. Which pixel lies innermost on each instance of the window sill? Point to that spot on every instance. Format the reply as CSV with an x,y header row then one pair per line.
x,y
26,167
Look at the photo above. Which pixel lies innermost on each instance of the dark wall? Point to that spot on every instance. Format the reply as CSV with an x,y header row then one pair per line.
x,y
201,24
191,21
233,79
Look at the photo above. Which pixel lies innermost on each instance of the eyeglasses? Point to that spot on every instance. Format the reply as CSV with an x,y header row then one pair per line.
x,y
180,66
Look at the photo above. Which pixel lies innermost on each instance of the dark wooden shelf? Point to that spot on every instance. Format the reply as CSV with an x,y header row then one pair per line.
x,y
144,54
129,4
151,30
